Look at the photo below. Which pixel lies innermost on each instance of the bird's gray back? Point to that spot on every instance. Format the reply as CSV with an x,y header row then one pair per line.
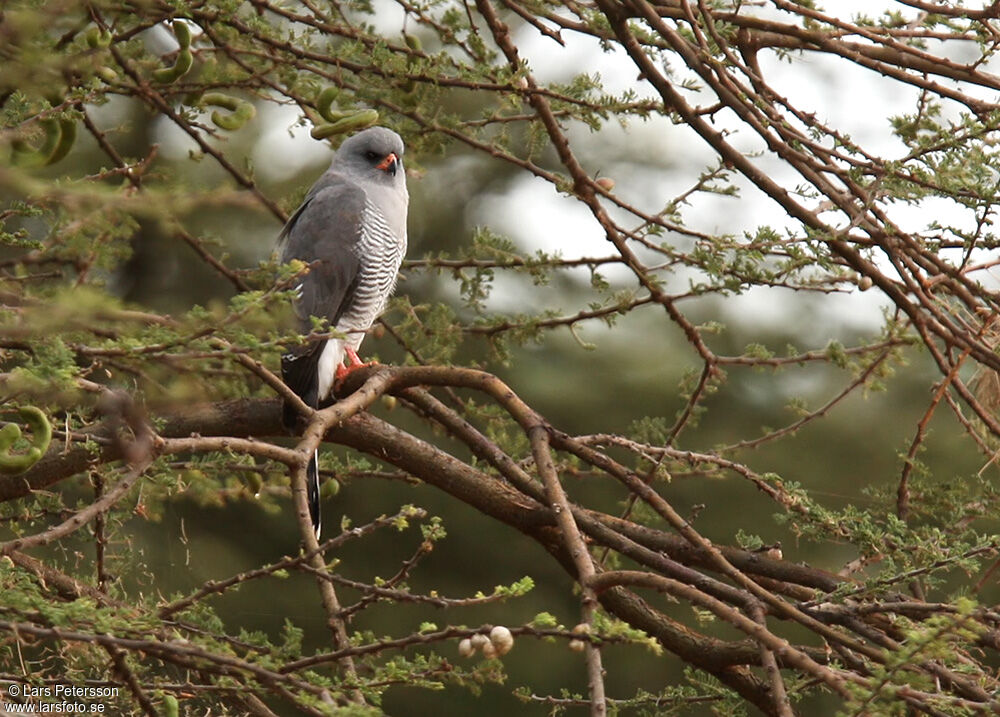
x,y
325,232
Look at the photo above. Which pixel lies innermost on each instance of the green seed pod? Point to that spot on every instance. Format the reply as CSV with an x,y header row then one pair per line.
x,y
24,155
217,99
355,121
8,434
324,104
408,87
330,488
243,114
182,65
253,481
106,73
98,38
41,436
67,136
182,31
242,111
170,706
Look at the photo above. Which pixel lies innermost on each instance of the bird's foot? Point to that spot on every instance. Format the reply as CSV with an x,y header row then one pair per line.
x,y
342,371
353,364
352,358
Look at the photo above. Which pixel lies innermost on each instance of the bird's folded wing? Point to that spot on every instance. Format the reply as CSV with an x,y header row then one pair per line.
x,y
324,233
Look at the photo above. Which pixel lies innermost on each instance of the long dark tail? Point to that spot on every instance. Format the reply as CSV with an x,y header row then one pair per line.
x,y
299,372
312,493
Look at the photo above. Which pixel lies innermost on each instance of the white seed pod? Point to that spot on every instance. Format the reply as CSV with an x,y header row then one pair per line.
x,y
501,639
465,648
479,641
577,645
489,652
581,629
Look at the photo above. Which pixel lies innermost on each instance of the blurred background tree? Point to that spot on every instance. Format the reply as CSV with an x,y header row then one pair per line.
x,y
689,391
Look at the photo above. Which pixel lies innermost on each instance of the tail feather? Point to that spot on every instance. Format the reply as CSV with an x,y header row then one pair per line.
x,y
300,372
312,493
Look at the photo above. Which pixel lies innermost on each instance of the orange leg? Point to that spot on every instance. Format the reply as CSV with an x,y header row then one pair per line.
x,y
353,364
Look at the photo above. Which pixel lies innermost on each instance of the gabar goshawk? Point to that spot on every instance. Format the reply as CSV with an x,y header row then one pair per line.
x,y
351,232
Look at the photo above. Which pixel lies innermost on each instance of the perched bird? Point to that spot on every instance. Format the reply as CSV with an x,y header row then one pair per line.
x,y
351,231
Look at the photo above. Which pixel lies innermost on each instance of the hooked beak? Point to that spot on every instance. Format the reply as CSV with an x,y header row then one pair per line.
x,y
389,164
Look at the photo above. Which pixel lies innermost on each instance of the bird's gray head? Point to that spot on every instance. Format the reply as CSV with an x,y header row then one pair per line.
x,y
375,154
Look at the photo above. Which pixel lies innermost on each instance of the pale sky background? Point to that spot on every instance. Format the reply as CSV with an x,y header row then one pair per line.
x,y
854,100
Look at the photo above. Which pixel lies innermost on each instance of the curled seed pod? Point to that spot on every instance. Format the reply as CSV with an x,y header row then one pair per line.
x,y
333,115
389,402
478,641
98,37
501,639
8,434
489,651
242,111
67,136
465,648
243,114
577,645
182,31
106,73
24,155
354,121
605,183
217,99
185,60
41,436
324,104
182,65
581,629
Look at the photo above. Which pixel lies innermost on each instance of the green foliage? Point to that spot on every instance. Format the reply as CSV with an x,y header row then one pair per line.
x,y
545,620
514,590
139,168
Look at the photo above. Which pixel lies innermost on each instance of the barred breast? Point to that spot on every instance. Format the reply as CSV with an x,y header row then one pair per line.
x,y
380,253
